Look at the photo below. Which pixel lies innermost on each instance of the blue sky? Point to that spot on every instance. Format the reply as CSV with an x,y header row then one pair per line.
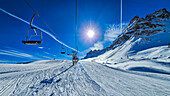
x,y
101,15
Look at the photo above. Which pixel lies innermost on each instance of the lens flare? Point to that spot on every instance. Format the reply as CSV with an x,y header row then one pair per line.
x,y
90,33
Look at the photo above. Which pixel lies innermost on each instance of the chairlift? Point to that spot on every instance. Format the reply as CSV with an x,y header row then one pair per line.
x,y
68,53
74,52
29,41
63,51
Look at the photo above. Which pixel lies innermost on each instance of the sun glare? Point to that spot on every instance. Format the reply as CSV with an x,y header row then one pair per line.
x,y
90,33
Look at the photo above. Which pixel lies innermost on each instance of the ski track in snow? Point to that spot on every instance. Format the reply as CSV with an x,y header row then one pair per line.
x,y
60,78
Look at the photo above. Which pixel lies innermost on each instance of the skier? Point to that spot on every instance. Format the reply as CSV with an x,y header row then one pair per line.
x,y
75,59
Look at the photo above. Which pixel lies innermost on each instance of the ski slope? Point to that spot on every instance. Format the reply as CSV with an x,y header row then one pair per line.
x,y
60,78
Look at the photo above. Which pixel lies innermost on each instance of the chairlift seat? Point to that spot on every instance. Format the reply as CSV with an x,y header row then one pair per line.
x,y
63,52
32,42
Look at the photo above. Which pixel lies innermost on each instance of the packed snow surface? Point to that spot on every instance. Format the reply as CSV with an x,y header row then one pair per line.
x,y
60,78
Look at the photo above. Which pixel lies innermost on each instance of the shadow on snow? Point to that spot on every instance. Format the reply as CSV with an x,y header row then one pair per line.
x,y
49,81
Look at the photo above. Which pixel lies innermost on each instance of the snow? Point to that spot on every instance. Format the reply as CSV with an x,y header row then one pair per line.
x,y
59,77
139,66
155,60
135,61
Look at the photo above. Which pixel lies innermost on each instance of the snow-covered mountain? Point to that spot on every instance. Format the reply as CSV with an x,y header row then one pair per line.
x,y
142,33
142,46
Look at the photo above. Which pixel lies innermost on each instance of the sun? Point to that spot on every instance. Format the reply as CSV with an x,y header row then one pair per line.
x,y
90,33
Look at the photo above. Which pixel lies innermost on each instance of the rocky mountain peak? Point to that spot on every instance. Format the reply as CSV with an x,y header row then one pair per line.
x,y
162,13
147,26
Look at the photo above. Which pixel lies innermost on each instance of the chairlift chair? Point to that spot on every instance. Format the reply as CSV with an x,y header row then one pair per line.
x,y
29,41
63,50
68,52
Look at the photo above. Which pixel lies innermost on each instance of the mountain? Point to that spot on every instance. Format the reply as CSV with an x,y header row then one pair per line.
x,y
144,33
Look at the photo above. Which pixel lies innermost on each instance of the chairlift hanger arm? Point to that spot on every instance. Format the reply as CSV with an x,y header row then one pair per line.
x,y
32,21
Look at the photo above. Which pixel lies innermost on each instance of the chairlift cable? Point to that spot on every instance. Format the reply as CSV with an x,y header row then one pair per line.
x,y
41,19
30,6
49,27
